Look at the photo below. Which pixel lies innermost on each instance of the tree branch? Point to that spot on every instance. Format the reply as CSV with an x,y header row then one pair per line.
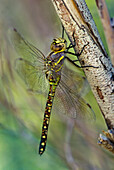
x,y
76,18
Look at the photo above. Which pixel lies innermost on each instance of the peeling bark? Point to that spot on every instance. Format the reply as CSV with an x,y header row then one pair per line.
x,y
76,17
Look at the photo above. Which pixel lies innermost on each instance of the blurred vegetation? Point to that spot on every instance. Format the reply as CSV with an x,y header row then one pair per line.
x,y
21,113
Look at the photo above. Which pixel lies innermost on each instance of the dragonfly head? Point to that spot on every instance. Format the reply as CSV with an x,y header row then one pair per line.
x,y
58,45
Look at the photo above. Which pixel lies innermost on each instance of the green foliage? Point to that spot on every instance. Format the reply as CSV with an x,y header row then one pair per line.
x,y
17,152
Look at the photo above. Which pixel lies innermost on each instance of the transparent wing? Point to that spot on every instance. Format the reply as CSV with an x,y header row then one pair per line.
x,y
68,99
31,64
25,49
34,76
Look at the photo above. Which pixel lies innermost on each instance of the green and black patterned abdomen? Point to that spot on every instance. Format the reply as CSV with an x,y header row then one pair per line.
x,y
46,119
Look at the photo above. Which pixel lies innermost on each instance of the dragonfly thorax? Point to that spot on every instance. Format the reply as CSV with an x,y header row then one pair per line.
x,y
58,45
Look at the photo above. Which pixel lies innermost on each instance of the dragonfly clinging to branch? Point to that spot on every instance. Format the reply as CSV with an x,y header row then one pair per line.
x,y
50,74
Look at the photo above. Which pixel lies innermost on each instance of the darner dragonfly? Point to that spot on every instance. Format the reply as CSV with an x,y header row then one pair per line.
x,y
50,74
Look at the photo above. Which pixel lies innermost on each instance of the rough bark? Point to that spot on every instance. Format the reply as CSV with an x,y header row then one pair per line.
x,y
76,18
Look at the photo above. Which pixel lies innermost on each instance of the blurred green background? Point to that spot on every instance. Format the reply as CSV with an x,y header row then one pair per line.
x,y
21,113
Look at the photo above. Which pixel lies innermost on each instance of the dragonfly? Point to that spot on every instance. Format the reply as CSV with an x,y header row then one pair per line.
x,y
51,76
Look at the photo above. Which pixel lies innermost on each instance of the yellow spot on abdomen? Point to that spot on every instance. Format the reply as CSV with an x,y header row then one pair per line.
x,y
49,104
47,115
41,149
42,143
44,136
45,127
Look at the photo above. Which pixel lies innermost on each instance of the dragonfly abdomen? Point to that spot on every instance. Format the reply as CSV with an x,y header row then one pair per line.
x,y
47,118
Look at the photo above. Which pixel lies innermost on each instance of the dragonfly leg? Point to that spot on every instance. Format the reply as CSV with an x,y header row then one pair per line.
x,y
75,54
63,30
72,45
73,62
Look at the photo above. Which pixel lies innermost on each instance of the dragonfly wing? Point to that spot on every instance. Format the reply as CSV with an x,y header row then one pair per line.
x,y
30,65
34,76
25,49
63,102
69,96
